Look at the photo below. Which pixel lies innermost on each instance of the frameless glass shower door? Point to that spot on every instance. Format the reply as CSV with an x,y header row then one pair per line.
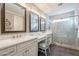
x,y
65,31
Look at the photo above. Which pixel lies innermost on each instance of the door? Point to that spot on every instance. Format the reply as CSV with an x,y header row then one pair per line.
x,y
64,31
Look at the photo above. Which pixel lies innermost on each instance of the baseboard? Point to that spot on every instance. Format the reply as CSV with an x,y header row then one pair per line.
x,y
67,46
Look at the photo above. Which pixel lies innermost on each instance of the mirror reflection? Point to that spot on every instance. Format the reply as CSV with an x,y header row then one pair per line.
x,y
34,22
42,24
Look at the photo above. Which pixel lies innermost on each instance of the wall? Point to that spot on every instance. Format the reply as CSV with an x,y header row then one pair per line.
x,y
29,7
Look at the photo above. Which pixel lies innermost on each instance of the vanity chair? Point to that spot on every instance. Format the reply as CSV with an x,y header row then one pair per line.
x,y
43,46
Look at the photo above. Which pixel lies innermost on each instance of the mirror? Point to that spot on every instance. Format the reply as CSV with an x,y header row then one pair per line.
x,y
42,24
34,22
48,23
13,18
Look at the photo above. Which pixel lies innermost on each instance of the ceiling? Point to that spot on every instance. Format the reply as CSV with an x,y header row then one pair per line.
x,y
56,8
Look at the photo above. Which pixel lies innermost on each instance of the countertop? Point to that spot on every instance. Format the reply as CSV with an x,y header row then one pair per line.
x,y
13,41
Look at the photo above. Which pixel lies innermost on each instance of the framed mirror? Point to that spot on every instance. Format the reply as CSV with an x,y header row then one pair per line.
x,y
42,24
34,22
13,18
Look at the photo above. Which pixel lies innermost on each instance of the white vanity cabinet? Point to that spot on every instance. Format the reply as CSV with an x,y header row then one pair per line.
x,y
10,51
29,48
26,48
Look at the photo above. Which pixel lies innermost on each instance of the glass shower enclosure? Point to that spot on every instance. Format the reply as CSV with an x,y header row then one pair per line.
x,y
65,32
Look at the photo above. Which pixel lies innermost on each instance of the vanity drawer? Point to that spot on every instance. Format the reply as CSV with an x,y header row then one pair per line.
x,y
25,45
8,51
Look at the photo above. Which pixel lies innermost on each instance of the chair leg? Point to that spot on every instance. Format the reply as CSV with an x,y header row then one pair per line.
x,y
45,52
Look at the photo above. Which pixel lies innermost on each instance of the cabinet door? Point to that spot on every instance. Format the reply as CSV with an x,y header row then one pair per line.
x,y
29,48
33,50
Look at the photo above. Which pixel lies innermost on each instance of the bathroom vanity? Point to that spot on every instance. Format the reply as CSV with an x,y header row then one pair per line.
x,y
23,46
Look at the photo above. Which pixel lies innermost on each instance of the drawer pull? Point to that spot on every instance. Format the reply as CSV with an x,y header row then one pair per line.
x,y
8,53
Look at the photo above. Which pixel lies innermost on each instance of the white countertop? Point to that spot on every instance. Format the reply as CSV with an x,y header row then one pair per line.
x,y
13,41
